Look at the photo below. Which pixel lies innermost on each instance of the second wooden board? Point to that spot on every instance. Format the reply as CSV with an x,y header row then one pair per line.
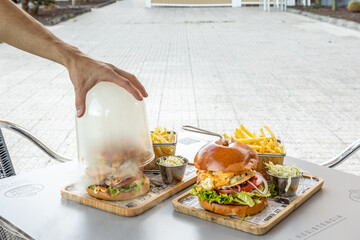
x,y
276,210
158,192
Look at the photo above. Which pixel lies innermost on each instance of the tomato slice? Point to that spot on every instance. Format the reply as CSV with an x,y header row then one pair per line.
x,y
248,187
126,181
244,186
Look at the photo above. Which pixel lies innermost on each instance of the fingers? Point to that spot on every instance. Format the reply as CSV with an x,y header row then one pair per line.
x,y
84,78
80,96
135,82
128,86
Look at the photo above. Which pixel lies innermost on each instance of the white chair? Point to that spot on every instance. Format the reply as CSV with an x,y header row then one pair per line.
x,y
265,5
303,2
282,4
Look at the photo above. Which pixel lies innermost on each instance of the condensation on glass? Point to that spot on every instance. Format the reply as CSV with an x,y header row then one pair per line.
x,y
113,136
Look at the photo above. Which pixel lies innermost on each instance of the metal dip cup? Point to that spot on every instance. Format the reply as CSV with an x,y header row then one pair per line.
x,y
281,183
170,174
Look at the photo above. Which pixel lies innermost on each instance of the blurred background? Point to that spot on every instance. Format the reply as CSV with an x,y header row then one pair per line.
x,y
211,67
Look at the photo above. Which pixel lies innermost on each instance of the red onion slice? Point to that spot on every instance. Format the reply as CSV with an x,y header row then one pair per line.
x,y
264,181
121,182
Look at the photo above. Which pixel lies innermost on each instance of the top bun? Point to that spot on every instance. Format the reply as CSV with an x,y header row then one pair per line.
x,y
227,156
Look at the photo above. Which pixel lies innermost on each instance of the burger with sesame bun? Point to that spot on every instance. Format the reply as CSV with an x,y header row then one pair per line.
x,y
227,182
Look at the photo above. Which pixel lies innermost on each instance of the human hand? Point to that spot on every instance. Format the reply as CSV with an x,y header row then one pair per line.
x,y
86,72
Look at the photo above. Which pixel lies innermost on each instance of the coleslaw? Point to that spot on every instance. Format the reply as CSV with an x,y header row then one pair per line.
x,y
283,170
171,161
286,171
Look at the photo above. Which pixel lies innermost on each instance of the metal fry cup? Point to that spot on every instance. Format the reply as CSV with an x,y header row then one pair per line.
x,y
160,150
281,183
276,158
170,174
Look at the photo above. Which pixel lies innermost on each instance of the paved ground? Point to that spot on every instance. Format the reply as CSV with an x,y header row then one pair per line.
x,y
210,67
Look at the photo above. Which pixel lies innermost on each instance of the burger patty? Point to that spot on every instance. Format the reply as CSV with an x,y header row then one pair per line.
x,y
213,180
126,183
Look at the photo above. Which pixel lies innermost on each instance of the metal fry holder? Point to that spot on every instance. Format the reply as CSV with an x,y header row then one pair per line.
x,y
160,150
276,158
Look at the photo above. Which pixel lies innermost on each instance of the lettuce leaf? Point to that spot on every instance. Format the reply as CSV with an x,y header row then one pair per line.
x,y
255,193
272,190
113,191
136,185
244,198
212,196
257,200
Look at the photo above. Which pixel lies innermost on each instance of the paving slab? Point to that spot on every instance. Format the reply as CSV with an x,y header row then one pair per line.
x,y
214,68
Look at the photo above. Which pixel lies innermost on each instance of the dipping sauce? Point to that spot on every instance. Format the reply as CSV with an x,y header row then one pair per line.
x,y
171,161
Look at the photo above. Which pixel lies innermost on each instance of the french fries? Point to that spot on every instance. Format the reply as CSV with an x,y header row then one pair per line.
x,y
161,135
260,143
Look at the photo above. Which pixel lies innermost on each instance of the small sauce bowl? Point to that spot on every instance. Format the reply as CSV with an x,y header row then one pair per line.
x,y
172,174
281,183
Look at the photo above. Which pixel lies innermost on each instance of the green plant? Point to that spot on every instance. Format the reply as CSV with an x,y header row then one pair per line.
x,y
25,5
48,2
334,5
36,5
317,5
354,6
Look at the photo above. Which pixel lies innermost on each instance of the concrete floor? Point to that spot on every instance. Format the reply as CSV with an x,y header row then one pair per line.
x,y
215,68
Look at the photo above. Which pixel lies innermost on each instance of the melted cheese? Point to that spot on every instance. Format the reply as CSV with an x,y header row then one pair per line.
x,y
212,180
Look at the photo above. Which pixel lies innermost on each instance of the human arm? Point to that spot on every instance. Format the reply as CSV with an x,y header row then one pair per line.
x,y
20,30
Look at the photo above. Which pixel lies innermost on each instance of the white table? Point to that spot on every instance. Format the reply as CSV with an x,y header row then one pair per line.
x,y
32,202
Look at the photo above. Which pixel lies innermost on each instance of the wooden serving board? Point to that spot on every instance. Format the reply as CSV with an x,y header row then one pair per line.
x,y
275,211
158,192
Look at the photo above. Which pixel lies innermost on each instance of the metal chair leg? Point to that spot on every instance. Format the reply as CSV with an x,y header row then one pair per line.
x,y
6,167
350,150
23,132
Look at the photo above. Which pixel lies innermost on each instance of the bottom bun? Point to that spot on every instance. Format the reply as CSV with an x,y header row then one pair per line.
x,y
240,211
121,196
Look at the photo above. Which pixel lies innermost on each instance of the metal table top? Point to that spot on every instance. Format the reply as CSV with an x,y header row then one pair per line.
x,y
32,202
